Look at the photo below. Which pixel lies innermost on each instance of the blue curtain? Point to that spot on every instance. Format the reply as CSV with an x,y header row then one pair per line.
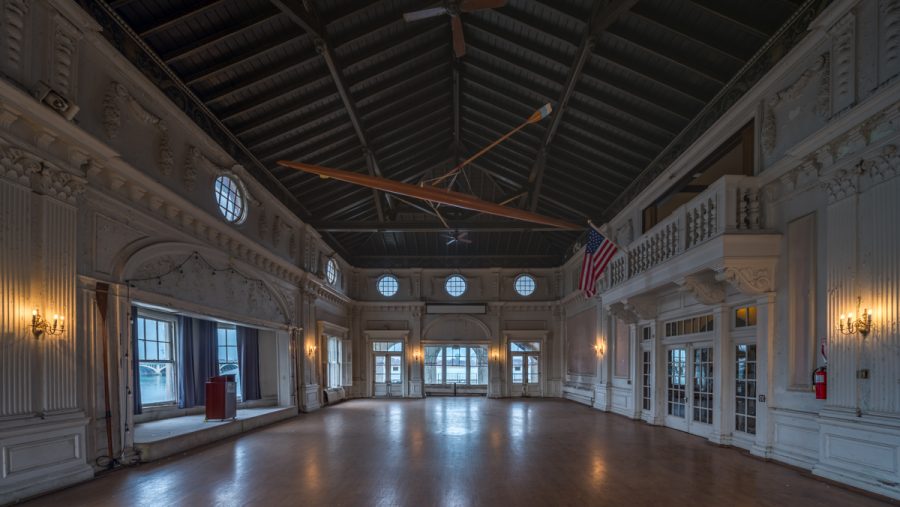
x,y
135,362
187,384
207,362
248,362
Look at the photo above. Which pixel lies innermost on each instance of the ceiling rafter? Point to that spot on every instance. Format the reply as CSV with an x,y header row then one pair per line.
x,y
297,12
177,18
256,51
270,72
225,33
601,19
431,226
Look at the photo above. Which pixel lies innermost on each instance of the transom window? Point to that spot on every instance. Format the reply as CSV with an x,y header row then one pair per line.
x,y
230,198
701,324
455,285
156,356
388,285
228,352
745,316
525,285
331,271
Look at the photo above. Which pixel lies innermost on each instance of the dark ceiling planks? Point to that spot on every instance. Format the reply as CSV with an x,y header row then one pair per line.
x,y
349,84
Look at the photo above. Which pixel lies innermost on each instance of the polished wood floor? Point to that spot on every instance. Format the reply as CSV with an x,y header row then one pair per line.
x,y
459,452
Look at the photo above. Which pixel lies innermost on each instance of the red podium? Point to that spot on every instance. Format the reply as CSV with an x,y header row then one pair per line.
x,y
221,398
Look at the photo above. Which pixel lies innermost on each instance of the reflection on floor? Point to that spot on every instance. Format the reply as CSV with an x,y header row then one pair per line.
x,y
460,451
158,439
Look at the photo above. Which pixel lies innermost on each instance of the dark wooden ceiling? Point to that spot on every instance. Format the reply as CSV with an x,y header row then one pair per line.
x,y
349,84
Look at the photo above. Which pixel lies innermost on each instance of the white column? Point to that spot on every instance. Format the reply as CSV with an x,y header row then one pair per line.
x,y
765,374
723,377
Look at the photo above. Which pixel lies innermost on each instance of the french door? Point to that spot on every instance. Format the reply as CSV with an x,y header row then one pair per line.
x,y
525,369
689,388
387,363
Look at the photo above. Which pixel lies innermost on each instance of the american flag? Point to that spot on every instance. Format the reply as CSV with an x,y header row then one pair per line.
x,y
597,254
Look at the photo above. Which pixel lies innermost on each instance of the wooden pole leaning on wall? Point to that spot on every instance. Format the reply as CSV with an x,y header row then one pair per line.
x,y
102,296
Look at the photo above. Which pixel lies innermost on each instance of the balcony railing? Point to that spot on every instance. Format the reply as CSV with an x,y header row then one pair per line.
x,y
730,205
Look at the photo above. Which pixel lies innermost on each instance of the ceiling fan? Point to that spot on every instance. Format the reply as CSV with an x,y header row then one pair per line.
x,y
454,8
458,237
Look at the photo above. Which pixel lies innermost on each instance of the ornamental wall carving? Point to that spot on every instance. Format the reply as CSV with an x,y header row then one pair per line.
x,y
194,278
116,95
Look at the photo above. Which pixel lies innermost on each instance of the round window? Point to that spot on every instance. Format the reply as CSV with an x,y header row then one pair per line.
x,y
525,285
455,285
231,199
331,271
388,285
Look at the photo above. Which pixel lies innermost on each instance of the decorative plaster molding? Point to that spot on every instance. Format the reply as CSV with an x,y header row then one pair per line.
x,y
61,185
885,165
623,313
15,12
749,280
197,279
821,69
643,307
65,56
843,33
706,288
112,122
17,165
842,184
889,32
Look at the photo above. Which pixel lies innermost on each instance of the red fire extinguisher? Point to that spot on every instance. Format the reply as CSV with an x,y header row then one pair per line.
x,y
820,380
820,375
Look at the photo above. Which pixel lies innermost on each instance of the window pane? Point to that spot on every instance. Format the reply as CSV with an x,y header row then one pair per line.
x,y
380,375
534,370
395,369
517,371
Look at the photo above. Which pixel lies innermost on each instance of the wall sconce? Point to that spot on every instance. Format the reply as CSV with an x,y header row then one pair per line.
x,y
416,355
311,350
598,348
40,326
851,324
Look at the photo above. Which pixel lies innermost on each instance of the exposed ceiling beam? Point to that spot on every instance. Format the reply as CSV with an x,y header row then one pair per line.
x,y
601,19
425,227
714,8
301,14
178,17
227,32
240,58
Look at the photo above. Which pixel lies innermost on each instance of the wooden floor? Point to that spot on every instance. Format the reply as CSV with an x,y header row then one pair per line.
x,y
459,452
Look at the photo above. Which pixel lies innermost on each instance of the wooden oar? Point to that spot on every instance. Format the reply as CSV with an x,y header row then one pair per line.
x,y
433,194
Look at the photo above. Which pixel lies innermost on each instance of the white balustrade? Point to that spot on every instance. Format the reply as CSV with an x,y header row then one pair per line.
x,y
730,205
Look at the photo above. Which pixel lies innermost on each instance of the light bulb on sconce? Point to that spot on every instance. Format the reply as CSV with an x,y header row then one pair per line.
x,y
311,350
598,348
40,326
851,324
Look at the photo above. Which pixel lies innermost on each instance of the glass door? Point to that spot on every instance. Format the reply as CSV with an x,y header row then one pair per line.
x,y
689,388
387,362
525,369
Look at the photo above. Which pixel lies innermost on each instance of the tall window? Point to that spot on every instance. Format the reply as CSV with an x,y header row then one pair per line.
x,y
745,389
335,378
156,355
456,364
228,352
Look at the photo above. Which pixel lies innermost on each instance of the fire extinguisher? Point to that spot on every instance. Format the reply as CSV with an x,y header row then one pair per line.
x,y
820,375
820,380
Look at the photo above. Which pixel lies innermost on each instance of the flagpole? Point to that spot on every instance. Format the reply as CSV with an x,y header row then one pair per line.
x,y
591,223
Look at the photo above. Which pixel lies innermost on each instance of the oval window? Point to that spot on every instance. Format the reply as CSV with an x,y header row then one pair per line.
x,y
455,285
